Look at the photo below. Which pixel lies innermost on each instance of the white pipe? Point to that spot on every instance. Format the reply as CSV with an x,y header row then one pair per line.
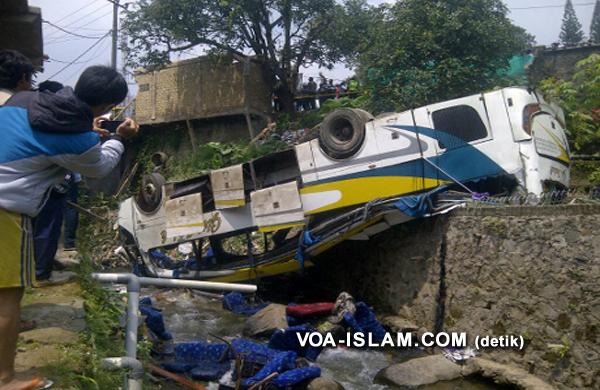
x,y
198,284
133,381
181,283
121,362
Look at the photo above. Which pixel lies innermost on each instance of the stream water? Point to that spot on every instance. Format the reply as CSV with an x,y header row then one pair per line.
x,y
189,316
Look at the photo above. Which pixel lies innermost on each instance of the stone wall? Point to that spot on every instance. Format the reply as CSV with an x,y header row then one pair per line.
x,y
559,63
527,271
201,88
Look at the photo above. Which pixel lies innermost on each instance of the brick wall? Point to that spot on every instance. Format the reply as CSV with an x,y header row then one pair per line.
x,y
200,88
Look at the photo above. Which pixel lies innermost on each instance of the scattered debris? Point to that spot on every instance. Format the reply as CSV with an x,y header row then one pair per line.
x,y
236,302
459,355
266,321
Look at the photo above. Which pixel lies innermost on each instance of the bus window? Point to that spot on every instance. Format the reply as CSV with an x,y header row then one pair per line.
x,y
461,121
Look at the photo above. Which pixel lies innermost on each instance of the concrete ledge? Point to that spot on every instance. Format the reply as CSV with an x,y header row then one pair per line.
x,y
533,211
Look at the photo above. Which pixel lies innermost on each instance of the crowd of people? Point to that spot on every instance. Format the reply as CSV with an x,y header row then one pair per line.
x,y
309,93
51,138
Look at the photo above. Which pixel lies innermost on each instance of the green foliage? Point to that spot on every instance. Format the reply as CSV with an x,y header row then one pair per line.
x,y
561,349
423,51
584,175
595,26
310,119
285,34
334,104
215,155
580,98
103,309
571,33
80,366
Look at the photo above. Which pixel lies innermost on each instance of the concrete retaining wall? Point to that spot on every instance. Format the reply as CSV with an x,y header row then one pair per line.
x,y
527,271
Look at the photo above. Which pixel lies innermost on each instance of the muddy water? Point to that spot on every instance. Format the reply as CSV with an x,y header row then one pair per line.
x,y
191,317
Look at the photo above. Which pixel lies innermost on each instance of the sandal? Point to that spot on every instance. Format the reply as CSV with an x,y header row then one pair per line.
x,y
38,384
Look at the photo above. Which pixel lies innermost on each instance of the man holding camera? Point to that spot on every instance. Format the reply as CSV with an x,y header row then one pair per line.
x,y
45,135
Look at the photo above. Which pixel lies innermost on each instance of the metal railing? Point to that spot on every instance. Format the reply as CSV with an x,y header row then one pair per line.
x,y
558,197
134,380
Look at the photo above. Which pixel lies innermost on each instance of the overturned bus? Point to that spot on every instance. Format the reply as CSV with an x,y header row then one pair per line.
x,y
358,177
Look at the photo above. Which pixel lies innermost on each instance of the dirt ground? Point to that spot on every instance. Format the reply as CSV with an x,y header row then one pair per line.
x,y
59,314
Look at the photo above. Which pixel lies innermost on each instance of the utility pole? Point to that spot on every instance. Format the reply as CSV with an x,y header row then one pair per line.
x,y
115,28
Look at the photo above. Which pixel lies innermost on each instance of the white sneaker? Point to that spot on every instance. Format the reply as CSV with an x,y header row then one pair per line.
x,y
56,278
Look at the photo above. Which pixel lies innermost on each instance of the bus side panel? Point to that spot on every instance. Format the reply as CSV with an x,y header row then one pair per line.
x,y
421,120
502,148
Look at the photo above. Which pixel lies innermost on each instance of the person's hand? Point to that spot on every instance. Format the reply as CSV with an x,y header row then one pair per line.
x,y
128,129
96,127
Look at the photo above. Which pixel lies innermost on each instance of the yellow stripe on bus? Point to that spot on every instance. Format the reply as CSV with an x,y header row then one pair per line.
x,y
364,189
230,202
273,228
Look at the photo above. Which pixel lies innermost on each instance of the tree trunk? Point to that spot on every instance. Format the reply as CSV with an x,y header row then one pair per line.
x,y
281,89
286,98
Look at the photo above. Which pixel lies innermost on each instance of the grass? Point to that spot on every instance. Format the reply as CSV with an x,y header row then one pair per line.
x,y
79,367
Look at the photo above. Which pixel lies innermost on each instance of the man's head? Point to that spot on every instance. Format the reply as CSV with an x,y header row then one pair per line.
x,y
49,85
101,88
16,71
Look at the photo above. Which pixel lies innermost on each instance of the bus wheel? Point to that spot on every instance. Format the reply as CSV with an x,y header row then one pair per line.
x,y
149,198
342,132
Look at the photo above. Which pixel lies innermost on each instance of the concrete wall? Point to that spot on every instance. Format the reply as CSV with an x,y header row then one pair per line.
x,y
559,63
21,29
201,88
528,271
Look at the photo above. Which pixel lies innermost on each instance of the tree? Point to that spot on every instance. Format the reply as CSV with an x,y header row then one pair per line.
x,y
283,34
571,33
425,51
580,99
595,27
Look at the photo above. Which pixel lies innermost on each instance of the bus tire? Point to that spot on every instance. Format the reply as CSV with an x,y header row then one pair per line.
x,y
342,132
149,198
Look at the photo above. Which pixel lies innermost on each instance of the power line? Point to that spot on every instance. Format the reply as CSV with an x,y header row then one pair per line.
x,y
93,56
95,11
93,20
62,40
70,32
67,62
81,55
551,6
57,34
77,10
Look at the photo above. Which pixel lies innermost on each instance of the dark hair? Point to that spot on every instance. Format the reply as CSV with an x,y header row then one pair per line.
x,y
49,85
13,66
99,85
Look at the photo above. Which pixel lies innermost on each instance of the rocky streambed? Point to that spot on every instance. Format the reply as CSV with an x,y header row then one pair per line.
x,y
190,317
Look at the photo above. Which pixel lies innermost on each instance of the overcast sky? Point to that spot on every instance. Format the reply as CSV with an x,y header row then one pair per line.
x,y
93,18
